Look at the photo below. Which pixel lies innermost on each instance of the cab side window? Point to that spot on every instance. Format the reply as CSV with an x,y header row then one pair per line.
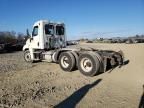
x,y
59,30
35,31
49,29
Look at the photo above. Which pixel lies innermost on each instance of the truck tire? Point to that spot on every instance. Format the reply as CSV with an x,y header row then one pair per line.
x,y
67,61
76,59
89,64
27,56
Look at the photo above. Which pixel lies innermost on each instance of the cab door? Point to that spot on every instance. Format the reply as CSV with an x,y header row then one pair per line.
x,y
50,36
35,38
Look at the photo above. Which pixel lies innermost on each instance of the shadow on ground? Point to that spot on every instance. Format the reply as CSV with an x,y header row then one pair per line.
x,y
141,104
75,98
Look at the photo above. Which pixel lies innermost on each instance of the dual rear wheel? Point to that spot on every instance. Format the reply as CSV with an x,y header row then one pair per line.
x,y
87,63
67,61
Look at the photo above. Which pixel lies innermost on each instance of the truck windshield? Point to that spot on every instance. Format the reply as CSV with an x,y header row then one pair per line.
x,y
59,30
49,29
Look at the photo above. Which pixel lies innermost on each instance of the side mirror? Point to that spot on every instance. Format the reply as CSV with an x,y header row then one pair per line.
x,y
27,32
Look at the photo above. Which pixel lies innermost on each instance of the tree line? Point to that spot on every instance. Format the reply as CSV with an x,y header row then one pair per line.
x,y
12,37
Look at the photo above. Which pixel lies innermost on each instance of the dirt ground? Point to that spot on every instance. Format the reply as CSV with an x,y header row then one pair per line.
x,y
45,85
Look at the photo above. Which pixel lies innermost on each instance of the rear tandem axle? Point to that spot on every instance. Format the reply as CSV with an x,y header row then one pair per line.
x,y
89,62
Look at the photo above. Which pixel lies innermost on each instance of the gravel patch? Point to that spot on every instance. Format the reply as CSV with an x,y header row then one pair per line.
x,y
13,61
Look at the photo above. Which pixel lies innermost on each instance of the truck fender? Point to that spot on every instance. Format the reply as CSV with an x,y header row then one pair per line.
x,y
56,55
58,52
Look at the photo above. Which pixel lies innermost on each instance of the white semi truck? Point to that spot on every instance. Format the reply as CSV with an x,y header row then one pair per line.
x,y
48,43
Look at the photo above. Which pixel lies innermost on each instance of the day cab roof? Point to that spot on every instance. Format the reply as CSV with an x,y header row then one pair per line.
x,y
47,22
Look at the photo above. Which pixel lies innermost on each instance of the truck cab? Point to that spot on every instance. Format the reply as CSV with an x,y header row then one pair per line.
x,y
46,35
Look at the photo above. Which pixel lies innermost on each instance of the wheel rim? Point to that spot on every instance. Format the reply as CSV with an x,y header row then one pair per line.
x,y
64,61
27,57
86,64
